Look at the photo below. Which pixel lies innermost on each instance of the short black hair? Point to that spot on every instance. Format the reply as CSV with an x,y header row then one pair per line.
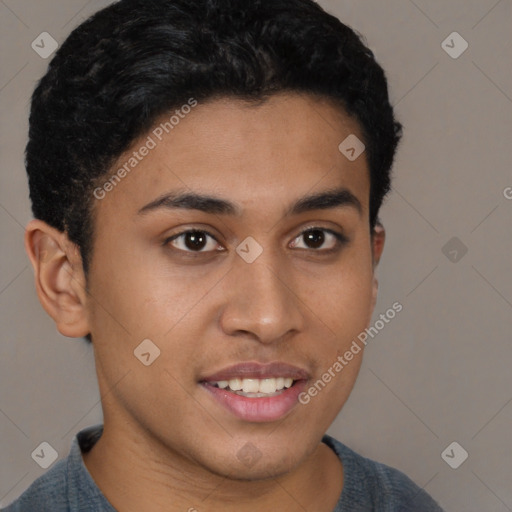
x,y
135,60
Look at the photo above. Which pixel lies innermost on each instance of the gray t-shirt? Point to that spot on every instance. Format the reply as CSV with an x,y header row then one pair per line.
x,y
368,485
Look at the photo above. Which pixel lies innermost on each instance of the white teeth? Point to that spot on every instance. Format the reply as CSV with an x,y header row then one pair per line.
x,y
250,385
235,384
261,386
267,386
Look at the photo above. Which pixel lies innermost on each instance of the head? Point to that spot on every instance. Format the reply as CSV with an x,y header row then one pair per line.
x,y
246,103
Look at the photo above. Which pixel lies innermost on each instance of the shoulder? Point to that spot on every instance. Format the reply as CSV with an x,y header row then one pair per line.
x,y
368,483
46,493
67,486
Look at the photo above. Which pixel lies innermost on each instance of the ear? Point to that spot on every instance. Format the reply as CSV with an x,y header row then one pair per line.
x,y
59,278
378,238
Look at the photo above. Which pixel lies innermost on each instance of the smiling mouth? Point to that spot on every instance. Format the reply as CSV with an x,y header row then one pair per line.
x,y
257,392
254,397
254,388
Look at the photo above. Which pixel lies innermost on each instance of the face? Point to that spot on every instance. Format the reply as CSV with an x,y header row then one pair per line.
x,y
258,284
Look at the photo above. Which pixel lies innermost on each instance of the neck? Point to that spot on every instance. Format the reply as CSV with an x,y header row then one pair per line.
x,y
128,471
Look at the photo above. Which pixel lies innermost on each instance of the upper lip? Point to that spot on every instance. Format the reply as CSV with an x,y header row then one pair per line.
x,y
254,370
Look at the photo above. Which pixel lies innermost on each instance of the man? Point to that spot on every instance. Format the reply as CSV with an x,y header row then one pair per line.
x,y
205,180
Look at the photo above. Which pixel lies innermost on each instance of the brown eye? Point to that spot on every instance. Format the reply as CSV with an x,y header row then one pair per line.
x,y
193,241
315,238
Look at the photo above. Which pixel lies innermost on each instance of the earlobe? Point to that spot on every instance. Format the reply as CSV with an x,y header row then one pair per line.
x,y
378,239
59,278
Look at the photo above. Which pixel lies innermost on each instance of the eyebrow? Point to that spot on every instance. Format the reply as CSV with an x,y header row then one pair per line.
x,y
332,198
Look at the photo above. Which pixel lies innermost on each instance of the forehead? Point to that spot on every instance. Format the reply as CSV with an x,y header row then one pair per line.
x,y
261,155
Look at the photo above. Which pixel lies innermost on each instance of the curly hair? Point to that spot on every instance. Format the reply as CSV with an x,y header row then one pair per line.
x,y
135,60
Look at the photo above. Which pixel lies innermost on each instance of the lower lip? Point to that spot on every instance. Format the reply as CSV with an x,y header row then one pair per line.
x,y
261,409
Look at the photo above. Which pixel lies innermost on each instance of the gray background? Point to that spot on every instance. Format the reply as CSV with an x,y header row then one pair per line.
x,y
438,372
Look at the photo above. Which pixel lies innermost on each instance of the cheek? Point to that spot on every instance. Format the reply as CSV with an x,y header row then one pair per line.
x,y
130,295
346,306
132,300
341,307
343,298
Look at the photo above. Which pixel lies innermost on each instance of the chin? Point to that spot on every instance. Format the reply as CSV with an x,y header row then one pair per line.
x,y
250,463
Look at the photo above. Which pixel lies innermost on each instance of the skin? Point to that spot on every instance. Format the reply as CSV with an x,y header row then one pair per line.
x,y
164,436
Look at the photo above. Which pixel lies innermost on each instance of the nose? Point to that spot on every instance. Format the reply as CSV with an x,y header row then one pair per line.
x,y
261,300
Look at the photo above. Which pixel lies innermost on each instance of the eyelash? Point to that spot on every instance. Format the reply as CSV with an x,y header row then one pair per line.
x,y
341,240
